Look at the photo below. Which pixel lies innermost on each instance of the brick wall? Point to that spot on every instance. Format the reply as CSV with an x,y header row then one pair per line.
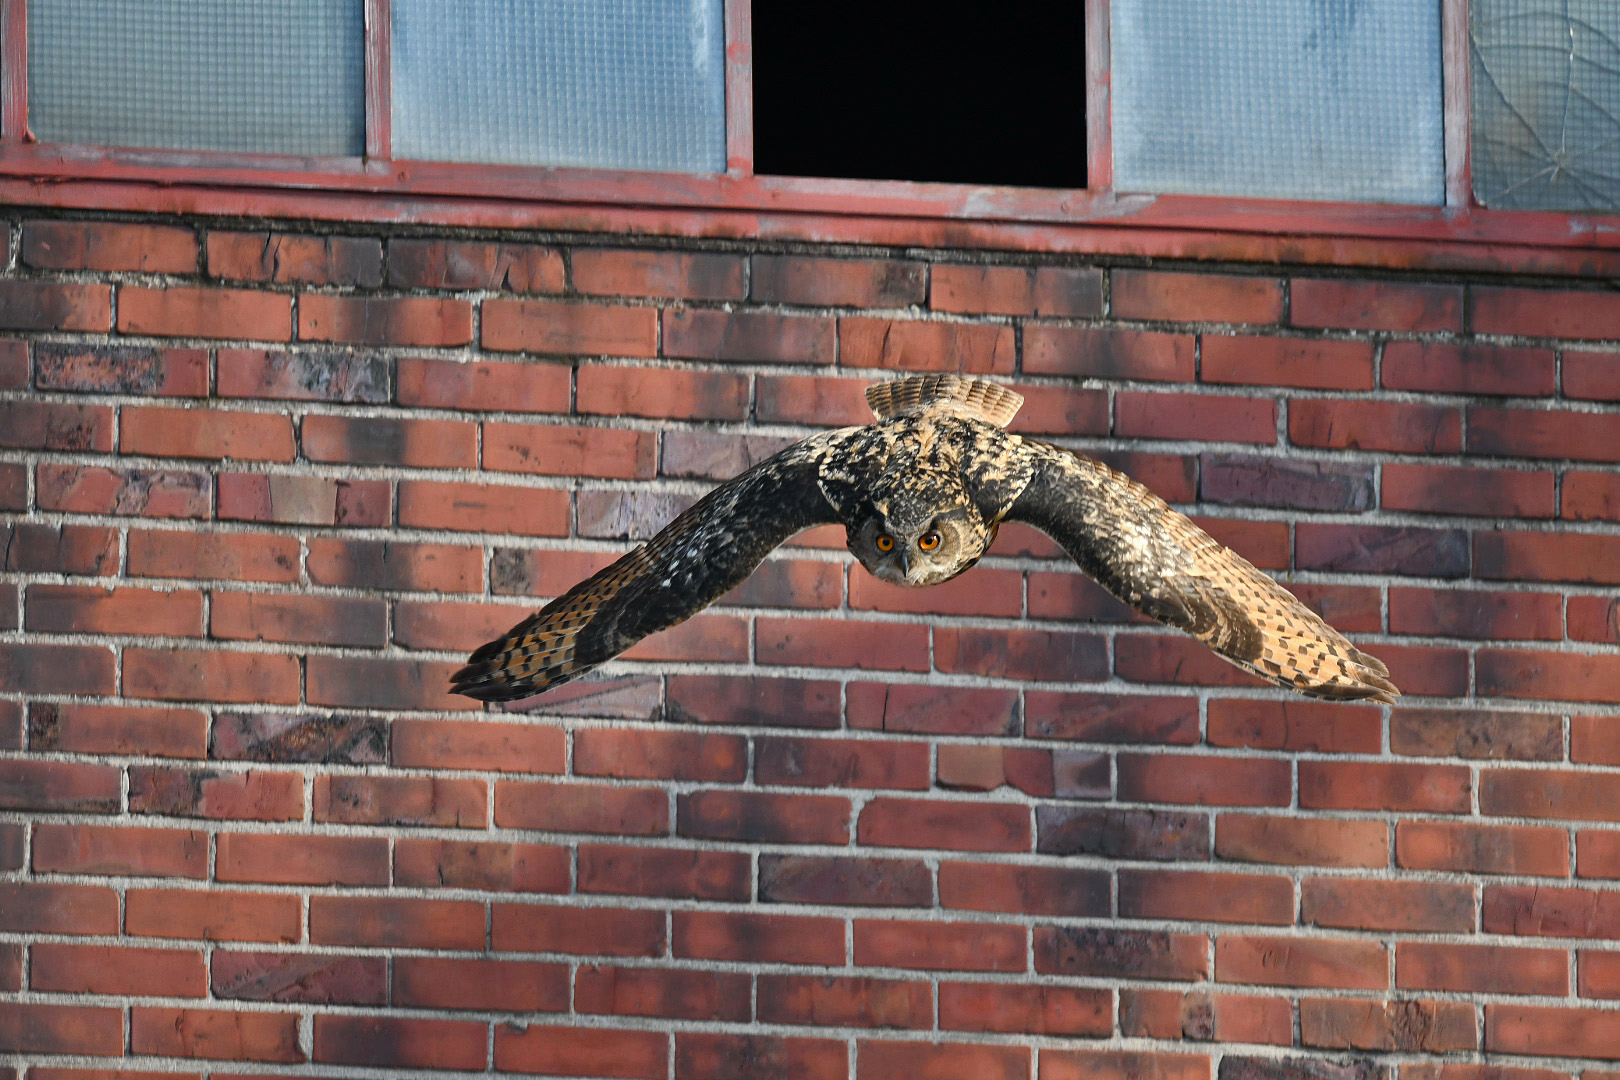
x,y
262,489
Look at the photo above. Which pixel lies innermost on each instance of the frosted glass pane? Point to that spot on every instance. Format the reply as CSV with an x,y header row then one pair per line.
x,y
623,84
1546,88
1300,99
259,76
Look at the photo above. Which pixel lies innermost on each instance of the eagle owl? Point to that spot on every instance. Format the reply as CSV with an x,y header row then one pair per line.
x,y
921,492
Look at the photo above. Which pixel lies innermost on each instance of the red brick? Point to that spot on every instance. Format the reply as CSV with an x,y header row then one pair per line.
x,y
396,922
1170,1014
1072,597
1143,658
1203,417
951,825
582,931
442,444
569,451
843,643
1480,969
754,701
1591,376
1025,890
328,620
758,1057
795,583
1553,676
683,994
1589,496
505,387
400,1041
1110,953
939,946
1544,433
13,486
296,260
1553,1031
1131,834
750,938
502,747
1598,974
1397,427
27,1028
1377,549
313,978
1427,670
1286,961
1199,897
829,1001
681,873
592,808
749,336
1294,841
401,800
1587,558
34,908
545,326
156,493
223,556
371,320
1476,613
673,755
913,345
941,1061
942,710
382,683
182,311
1122,1065
1375,305
1476,733
1467,369
487,985
51,305
215,1033
1110,718
816,879
1344,785
1034,1010
252,796
466,264
685,275
212,915
1017,290
1250,480
454,864
1144,294
1213,781
1058,410
1046,655
30,668
1592,739
105,245
14,365
659,392
1482,849
43,425
130,369
1265,543
1446,489
1530,910
1433,1026
303,376
1546,793
205,433
865,283
302,500
495,508
1295,725
580,1051
194,675
287,859
376,564
117,729
811,400
103,969
67,609
1417,906
1265,361
1543,313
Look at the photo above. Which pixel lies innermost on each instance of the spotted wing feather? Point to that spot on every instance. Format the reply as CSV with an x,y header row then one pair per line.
x,y
1159,562
987,401
688,565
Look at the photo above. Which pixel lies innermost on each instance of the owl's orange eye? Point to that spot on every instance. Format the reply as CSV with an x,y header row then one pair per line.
x,y
928,541
885,542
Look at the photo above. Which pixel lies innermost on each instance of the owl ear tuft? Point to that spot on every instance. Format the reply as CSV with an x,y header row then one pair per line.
x,y
989,402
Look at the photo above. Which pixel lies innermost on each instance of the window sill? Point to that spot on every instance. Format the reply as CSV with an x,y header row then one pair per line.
x,y
889,213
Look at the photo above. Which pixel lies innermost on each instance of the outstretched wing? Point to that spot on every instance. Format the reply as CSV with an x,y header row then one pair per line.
x,y
694,560
1160,563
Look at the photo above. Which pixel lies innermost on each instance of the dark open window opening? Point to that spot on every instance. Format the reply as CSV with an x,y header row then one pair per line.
x,y
959,91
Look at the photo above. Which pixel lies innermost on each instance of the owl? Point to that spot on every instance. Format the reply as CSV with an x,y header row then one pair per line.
x,y
921,492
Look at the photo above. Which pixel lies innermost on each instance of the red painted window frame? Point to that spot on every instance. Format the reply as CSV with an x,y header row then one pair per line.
x,y
1459,236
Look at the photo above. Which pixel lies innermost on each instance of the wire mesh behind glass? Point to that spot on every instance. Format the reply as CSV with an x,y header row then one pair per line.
x,y
254,76
1300,99
621,84
1546,90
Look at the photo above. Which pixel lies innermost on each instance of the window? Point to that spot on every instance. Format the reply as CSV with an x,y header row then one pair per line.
x,y
1177,128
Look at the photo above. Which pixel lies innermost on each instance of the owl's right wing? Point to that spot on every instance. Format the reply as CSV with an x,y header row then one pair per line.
x,y
1159,562
688,565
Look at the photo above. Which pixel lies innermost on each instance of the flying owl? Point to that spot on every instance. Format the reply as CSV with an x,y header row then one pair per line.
x,y
921,492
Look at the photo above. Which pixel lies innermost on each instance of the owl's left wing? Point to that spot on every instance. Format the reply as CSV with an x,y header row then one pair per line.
x,y
1159,562
689,564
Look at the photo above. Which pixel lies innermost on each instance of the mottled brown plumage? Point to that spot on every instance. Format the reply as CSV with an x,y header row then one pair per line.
x,y
921,492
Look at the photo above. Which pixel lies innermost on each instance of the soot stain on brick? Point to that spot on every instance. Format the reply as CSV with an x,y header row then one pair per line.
x,y
44,726
329,739
130,369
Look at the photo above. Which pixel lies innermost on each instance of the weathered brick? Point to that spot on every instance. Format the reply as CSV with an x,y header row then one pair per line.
x,y
1394,426
403,1042
943,710
1203,417
1129,834
1544,313
1277,961
154,493
1467,369
442,444
186,311
1476,733
101,969
810,399
436,982
931,823
97,849
1295,725
680,873
43,425
845,1002
1583,558
1017,290
683,994
463,744
556,327
844,643
1418,906
492,508
741,936
288,259
396,922
1591,376
1588,496
498,867
36,908
683,275
583,931
1131,954
1375,305
372,320
387,565
1445,489
754,702
106,245
1549,793
1110,718
29,668
866,283
748,336
1382,549
1029,890
117,729
914,345
1480,969
1311,363
569,451
1531,910
253,796
92,1030
590,808
401,800
1199,897
194,675
816,879
700,1056
69,609
330,738
1246,480
213,916
288,859
1482,849
1366,785
1432,1026
1544,433
467,264
303,978
1150,294
1302,841
1523,673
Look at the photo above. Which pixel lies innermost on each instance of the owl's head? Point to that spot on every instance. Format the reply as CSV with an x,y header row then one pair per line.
x,y
917,550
